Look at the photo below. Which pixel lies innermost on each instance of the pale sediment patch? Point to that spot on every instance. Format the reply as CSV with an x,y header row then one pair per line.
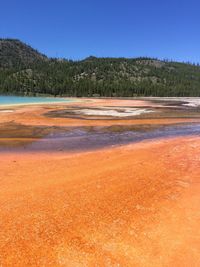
x,y
6,111
120,112
186,101
191,102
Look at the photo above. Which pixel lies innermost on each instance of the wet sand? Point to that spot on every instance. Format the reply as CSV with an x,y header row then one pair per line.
x,y
133,205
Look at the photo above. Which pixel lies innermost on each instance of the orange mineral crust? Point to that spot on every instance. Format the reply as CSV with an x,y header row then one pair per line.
x,y
36,115
135,205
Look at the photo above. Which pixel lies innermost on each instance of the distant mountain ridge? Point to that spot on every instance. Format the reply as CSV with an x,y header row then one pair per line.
x,y
25,71
13,52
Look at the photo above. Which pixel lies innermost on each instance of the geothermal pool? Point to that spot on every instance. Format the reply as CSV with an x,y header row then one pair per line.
x,y
20,100
98,182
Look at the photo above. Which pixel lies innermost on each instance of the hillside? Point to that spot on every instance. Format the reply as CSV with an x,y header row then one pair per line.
x,y
14,53
23,70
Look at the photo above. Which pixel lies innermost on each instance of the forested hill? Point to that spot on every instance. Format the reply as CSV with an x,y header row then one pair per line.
x,y
23,70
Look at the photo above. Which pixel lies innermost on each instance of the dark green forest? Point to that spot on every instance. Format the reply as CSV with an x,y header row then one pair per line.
x,y
25,71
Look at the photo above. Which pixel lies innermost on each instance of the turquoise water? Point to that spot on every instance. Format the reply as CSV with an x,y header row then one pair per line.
x,y
12,100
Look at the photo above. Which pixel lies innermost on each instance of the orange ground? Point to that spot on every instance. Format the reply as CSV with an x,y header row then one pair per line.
x,y
34,115
136,205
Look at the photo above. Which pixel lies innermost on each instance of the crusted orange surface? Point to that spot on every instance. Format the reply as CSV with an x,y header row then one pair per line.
x,y
35,114
135,205
132,206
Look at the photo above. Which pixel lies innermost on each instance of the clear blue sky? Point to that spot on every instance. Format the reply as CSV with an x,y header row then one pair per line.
x,y
78,28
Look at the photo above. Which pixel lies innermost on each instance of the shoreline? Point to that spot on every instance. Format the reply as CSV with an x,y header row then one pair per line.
x,y
36,104
99,99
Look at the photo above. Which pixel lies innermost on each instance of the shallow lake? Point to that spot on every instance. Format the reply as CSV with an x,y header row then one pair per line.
x,y
16,100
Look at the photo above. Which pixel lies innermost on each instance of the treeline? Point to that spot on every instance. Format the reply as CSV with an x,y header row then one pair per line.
x,y
25,71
